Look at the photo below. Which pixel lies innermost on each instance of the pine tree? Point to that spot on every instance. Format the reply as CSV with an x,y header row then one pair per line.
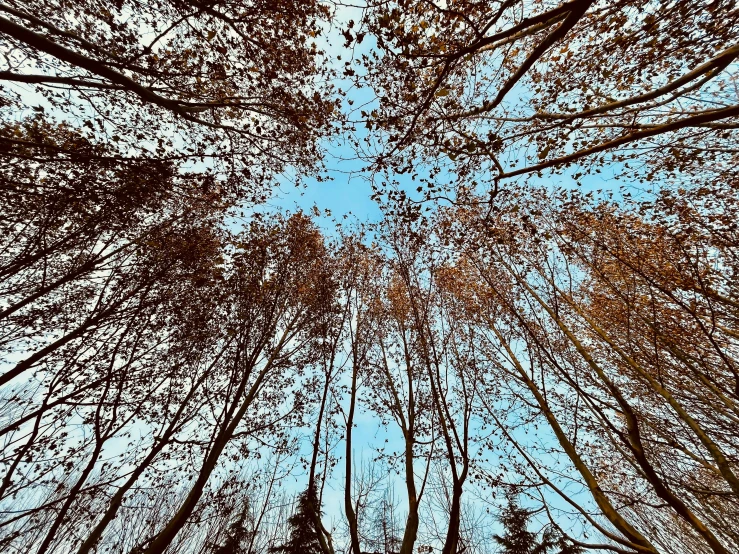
x,y
517,539
237,535
303,531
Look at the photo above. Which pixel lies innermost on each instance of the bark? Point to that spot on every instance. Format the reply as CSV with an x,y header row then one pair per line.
x,y
351,516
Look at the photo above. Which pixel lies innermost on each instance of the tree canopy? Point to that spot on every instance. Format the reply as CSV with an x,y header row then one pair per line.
x,y
534,349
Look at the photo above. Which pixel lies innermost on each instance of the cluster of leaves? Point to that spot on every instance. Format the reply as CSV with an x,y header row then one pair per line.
x,y
241,88
491,91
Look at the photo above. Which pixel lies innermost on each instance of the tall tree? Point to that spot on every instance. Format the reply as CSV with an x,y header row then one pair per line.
x,y
237,86
304,536
508,88
541,293
516,537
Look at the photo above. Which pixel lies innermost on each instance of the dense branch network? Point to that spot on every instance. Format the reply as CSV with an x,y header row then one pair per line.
x,y
522,368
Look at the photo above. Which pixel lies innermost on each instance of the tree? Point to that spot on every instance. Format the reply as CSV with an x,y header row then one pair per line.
x,y
236,86
401,394
360,268
497,90
102,371
450,383
304,536
539,293
281,285
517,539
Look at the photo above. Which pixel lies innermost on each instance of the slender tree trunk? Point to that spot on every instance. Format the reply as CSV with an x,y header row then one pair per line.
x,y
411,524
324,538
351,516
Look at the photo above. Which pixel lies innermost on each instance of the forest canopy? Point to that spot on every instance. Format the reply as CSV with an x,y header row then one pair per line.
x,y
534,349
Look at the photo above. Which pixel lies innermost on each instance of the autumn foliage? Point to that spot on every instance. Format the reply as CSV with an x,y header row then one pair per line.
x,y
534,350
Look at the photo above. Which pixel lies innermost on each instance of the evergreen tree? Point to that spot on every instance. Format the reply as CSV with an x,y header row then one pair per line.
x,y
517,539
237,535
303,531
